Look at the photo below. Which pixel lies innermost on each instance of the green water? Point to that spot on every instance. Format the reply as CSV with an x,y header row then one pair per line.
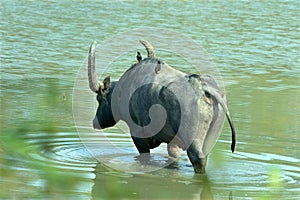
x,y
255,46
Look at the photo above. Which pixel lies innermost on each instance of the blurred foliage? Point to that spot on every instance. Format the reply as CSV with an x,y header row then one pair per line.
x,y
275,185
32,106
20,170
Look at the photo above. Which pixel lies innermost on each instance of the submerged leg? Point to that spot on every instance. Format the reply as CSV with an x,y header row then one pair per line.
x,y
173,150
198,162
143,147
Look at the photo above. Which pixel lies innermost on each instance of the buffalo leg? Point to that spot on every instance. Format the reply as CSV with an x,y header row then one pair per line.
x,y
143,147
197,161
173,150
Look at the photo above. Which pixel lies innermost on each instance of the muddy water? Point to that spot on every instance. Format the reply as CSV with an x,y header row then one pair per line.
x,y
255,46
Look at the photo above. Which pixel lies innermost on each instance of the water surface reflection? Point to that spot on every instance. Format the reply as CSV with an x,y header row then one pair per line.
x,y
160,185
254,45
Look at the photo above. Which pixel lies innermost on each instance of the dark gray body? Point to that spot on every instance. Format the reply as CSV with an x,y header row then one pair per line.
x,y
161,104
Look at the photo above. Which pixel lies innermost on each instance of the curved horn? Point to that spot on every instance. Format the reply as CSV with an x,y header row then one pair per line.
x,y
93,80
149,48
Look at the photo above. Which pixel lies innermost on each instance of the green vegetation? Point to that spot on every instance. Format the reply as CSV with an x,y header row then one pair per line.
x,y
275,185
23,172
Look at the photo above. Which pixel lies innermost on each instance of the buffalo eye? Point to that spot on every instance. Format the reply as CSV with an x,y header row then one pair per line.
x,y
207,94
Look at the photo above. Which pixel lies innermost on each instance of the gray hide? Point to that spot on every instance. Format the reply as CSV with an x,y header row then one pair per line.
x,y
162,104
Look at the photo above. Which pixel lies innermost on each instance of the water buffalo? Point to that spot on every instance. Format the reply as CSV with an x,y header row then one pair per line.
x,y
162,104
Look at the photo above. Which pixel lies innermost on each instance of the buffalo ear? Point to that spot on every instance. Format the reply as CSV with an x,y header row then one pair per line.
x,y
106,83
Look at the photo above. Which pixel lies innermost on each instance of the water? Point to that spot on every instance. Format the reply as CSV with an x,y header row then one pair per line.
x,y
255,46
